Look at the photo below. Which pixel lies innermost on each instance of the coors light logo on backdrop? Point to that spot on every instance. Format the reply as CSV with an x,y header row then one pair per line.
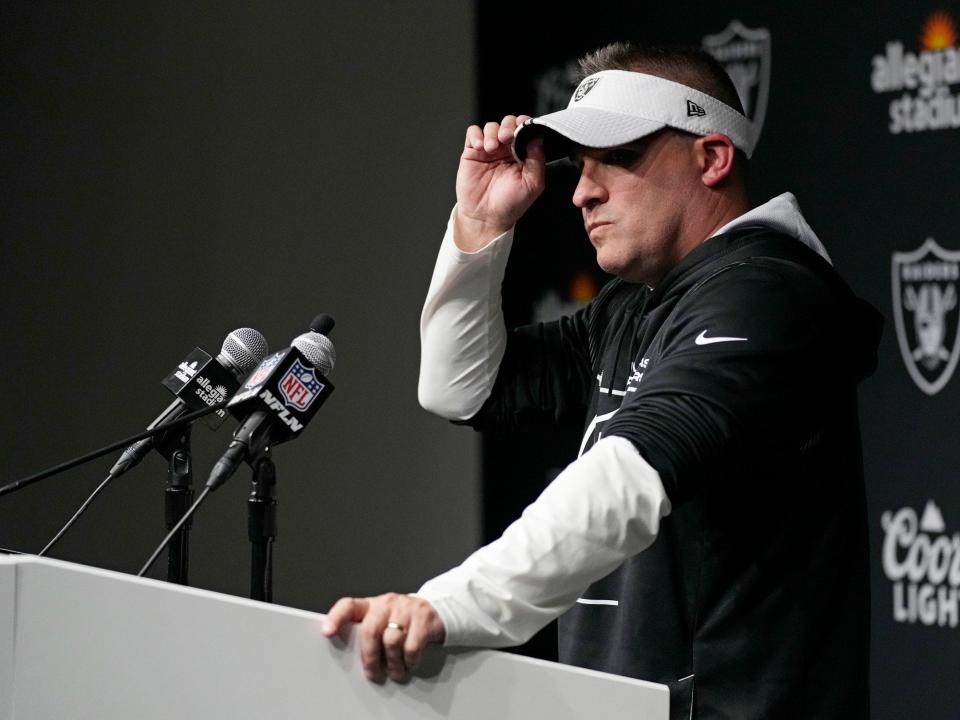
x,y
923,562
745,55
926,286
922,78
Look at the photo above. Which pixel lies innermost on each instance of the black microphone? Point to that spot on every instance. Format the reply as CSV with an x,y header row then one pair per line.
x,y
201,381
279,398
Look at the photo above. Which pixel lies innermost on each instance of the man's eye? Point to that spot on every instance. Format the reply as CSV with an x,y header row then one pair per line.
x,y
621,158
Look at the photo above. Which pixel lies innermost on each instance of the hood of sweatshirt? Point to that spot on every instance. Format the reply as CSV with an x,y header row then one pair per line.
x,y
781,214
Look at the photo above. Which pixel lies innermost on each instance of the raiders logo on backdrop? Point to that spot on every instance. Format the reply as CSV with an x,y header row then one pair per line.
x,y
926,284
745,55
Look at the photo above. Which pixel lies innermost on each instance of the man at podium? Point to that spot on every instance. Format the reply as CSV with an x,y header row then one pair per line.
x,y
711,535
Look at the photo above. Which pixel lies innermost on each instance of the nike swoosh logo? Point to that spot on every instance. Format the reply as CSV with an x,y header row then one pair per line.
x,y
702,339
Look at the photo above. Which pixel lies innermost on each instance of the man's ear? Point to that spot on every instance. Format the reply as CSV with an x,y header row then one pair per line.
x,y
715,157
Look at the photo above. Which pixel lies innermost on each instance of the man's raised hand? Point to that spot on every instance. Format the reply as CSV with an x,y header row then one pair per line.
x,y
493,189
394,629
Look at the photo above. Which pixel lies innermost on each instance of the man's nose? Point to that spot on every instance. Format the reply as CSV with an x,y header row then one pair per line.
x,y
589,190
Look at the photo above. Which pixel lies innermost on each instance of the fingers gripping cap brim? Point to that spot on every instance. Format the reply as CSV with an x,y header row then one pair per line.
x,y
586,127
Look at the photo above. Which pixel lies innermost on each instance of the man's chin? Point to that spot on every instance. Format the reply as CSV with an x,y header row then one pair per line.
x,y
611,265
618,267
606,263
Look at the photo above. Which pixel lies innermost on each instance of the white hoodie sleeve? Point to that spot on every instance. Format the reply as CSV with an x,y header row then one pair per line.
x,y
602,509
462,334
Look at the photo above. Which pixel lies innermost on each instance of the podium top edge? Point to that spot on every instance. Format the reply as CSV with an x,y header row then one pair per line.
x,y
26,561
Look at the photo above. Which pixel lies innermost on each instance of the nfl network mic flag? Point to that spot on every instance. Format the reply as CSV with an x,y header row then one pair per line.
x,y
286,386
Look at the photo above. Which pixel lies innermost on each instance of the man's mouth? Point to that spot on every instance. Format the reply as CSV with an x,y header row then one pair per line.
x,y
596,225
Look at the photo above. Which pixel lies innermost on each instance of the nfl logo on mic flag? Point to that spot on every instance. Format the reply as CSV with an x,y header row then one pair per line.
x,y
263,370
299,386
286,386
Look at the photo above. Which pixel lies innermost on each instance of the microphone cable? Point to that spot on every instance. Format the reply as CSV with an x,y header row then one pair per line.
x,y
76,516
106,481
69,464
176,528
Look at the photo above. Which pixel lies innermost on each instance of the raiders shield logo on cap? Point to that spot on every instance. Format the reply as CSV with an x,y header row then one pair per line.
x,y
585,87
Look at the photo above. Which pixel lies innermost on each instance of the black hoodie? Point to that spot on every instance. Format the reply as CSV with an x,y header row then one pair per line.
x,y
736,380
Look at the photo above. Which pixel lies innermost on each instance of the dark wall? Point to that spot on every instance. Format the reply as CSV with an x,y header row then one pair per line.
x,y
848,129
173,171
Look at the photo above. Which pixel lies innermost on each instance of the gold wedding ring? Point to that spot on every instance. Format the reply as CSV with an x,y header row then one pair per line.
x,y
396,626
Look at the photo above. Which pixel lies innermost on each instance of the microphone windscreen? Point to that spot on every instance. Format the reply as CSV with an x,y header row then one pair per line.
x,y
318,350
243,350
322,324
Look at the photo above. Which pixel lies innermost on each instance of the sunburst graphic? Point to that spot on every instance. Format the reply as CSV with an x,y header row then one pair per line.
x,y
220,390
939,32
583,288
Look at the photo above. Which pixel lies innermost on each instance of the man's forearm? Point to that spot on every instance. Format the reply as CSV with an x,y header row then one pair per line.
x,y
604,508
462,334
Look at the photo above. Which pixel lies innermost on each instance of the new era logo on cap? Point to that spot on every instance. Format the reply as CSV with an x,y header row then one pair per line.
x,y
694,110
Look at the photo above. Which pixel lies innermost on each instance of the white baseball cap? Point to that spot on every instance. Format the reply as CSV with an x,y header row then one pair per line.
x,y
615,107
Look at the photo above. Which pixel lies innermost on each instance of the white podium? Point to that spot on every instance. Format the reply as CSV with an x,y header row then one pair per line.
x,y
78,642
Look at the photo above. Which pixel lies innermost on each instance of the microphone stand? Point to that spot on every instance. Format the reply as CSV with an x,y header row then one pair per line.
x,y
178,496
262,524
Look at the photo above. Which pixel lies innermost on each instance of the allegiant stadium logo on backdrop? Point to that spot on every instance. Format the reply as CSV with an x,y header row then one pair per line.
x,y
923,562
926,285
746,56
922,78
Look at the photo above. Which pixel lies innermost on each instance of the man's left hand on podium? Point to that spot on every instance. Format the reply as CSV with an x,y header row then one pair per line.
x,y
394,629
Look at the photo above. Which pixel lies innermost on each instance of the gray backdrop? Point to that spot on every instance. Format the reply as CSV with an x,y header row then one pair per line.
x,y
174,172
